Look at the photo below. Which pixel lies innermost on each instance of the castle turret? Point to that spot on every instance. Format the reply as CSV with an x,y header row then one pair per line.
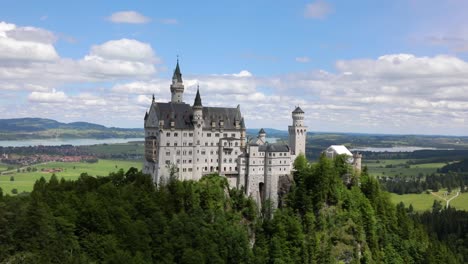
x,y
197,121
297,133
177,86
262,135
357,158
243,133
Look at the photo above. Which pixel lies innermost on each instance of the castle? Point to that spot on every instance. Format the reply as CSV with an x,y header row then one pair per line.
x,y
194,140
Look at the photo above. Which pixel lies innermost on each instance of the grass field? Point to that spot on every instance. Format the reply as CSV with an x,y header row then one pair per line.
x,y
423,201
70,170
399,167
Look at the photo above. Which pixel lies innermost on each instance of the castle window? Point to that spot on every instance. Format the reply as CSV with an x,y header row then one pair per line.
x,y
217,135
178,152
237,144
185,134
189,169
203,152
208,134
168,153
190,134
189,161
178,161
211,152
233,135
230,160
230,168
206,168
168,162
190,152
176,134
168,134
235,168
175,144
224,160
212,144
269,162
190,144
224,168
168,144
198,142
206,144
225,135
184,169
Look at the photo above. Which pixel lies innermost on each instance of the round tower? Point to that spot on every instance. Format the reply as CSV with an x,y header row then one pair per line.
x,y
197,121
262,135
297,133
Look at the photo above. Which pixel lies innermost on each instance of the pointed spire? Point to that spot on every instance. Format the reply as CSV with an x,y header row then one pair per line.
x,y
197,98
177,75
262,131
153,98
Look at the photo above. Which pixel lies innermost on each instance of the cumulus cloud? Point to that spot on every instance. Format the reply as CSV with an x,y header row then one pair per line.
x,y
48,97
27,55
26,44
124,49
131,17
318,10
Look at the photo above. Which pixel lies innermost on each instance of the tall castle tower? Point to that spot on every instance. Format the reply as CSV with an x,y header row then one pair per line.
x,y
297,132
197,134
177,86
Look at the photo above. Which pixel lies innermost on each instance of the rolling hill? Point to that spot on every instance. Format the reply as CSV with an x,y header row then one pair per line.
x,y
31,128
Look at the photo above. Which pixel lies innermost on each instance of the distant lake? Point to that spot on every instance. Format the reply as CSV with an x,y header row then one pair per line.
x,y
392,149
65,141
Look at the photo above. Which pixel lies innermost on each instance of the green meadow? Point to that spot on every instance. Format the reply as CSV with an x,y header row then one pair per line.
x,y
399,167
24,181
424,201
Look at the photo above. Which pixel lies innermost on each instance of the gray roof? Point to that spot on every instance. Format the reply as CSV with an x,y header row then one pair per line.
x,y
262,131
182,114
298,110
197,101
273,148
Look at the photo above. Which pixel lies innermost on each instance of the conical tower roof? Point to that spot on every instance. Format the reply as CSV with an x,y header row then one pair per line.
x,y
177,75
198,101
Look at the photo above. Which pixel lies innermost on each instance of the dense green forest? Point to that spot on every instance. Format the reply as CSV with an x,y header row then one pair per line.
x,y
124,218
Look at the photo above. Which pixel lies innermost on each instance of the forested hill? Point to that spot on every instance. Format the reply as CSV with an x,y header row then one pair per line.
x,y
27,128
123,218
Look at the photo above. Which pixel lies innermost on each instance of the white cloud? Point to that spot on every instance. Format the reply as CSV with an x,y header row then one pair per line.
x,y
304,59
131,17
48,97
26,44
150,87
318,10
124,49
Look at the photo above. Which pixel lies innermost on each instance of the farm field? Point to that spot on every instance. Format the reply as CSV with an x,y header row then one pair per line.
x,y
424,201
24,181
399,167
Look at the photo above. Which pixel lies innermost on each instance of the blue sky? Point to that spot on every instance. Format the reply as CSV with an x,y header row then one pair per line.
x,y
353,66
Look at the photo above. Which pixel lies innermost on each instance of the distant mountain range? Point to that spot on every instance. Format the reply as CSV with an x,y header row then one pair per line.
x,y
31,128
